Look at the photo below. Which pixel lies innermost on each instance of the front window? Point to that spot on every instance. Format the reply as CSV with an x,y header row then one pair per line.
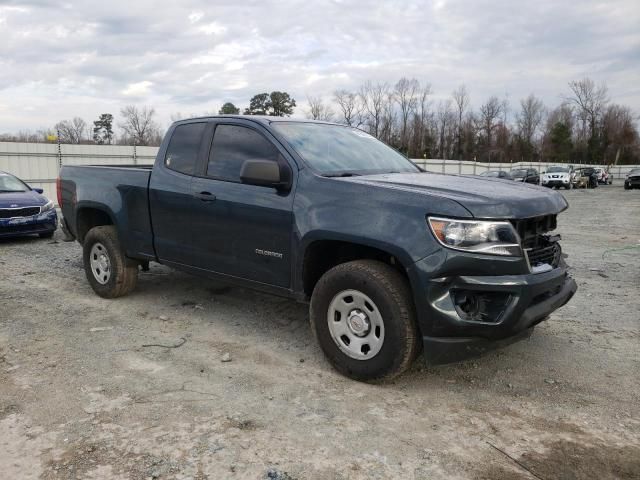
x,y
232,146
334,150
518,173
9,184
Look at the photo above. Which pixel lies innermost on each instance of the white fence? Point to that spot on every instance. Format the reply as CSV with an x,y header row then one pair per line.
x,y
38,163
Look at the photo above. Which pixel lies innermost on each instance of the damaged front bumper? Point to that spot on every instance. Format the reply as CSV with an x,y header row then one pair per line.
x,y
462,316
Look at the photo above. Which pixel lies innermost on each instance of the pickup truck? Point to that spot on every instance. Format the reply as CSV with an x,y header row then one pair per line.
x,y
393,260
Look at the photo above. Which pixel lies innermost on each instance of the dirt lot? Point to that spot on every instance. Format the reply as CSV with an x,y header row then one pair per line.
x,y
136,387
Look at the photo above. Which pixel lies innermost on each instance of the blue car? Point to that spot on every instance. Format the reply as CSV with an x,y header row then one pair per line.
x,y
24,210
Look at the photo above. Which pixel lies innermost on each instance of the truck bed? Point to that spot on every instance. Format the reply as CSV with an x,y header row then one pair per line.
x,y
120,191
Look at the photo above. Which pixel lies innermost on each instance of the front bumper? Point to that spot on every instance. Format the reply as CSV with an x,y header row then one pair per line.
x,y
555,183
16,227
524,300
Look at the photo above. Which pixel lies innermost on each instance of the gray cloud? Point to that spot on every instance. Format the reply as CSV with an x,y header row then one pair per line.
x,y
84,58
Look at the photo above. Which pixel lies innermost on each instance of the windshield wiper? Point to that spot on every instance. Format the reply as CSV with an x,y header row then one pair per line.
x,y
12,191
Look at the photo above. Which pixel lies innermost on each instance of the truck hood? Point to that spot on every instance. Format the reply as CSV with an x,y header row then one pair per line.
x,y
21,199
482,197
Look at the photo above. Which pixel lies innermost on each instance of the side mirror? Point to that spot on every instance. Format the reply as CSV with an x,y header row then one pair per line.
x,y
38,190
263,173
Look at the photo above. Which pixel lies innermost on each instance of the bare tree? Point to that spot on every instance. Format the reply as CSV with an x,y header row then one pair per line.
x,y
72,131
350,106
139,125
406,96
489,115
445,117
318,110
590,99
620,131
388,131
421,120
530,117
373,97
461,99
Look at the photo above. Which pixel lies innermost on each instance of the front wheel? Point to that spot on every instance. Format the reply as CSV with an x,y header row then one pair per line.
x,y
363,316
110,273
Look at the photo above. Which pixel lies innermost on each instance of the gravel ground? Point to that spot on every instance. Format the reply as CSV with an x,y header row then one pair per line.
x,y
187,378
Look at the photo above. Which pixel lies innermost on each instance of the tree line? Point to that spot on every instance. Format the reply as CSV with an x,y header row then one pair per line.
x,y
586,127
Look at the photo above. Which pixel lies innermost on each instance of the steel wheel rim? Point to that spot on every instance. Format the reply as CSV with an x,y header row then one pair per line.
x,y
355,324
100,263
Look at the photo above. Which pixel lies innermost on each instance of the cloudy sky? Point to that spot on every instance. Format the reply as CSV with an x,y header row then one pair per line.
x,y
62,59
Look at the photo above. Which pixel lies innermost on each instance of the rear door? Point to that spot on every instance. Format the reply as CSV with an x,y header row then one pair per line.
x,y
171,202
243,230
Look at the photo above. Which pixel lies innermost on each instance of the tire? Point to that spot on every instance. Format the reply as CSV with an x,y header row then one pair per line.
x,y
112,274
627,187
47,234
392,347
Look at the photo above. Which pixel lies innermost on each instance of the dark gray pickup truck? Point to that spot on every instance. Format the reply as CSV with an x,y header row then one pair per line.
x,y
393,260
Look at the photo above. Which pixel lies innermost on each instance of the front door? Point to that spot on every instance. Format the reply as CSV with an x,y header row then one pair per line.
x,y
243,230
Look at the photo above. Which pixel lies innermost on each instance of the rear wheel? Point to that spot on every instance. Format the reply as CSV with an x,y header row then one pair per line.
x,y
110,273
363,316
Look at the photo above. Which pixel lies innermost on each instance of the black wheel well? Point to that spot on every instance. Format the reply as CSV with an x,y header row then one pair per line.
x,y
323,255
88,218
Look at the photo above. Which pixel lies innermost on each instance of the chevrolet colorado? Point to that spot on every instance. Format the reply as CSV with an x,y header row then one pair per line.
x,y
392,259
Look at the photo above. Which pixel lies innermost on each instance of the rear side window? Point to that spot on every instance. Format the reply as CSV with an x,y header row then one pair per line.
x,y
232,145
182,153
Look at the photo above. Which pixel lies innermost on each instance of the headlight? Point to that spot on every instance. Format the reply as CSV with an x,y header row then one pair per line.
x,y
477,236
47,206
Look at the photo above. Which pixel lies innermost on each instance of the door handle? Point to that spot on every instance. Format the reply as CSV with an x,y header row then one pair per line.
x,y
205,196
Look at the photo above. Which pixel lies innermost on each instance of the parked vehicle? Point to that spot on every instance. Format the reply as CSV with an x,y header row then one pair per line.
x,y
528,175
496,174
24,210
602,176
392,259
632,179
557,176
586,178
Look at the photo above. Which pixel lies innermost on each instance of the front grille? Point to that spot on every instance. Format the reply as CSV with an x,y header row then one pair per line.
x,y
549,254
530,229
540,247
19,212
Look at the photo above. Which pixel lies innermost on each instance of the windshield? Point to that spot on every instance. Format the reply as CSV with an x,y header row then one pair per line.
x,y
9,183
518,173
635,171
334,150
558,169
490,174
